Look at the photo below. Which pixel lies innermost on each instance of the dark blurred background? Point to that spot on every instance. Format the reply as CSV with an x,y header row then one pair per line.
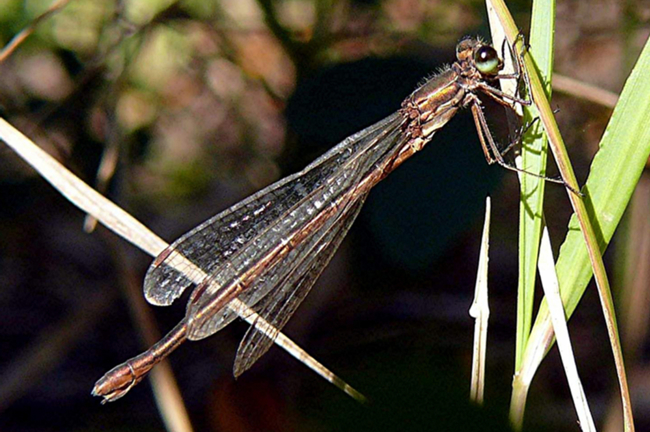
x,y
178,109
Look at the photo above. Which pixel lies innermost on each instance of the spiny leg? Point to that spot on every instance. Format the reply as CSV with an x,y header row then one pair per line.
x,y
487,142
519,135
518,73
502,97
475,107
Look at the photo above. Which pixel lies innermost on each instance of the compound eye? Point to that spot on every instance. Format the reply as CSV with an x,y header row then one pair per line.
x,y
487,60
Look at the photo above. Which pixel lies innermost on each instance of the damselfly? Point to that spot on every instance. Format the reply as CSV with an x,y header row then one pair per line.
x,y
268,250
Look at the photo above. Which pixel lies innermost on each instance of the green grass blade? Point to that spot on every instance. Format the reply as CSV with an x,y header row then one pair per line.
x,y
533,159
615,171
586,219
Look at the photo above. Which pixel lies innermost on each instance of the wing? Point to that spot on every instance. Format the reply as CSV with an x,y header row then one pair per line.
x,y
278,306
228,242
269,277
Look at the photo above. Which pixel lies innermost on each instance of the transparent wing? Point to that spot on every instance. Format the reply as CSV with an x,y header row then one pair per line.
x,y
278,306
229,242
338,194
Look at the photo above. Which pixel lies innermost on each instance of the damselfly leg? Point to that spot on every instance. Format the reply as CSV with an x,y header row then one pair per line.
x,y
490,149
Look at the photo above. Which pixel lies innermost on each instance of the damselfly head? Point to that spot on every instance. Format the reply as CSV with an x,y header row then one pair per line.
x,y
483,57
487,60
466,46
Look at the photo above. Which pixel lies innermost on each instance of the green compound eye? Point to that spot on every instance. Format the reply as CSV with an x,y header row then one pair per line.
x,y
486,60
